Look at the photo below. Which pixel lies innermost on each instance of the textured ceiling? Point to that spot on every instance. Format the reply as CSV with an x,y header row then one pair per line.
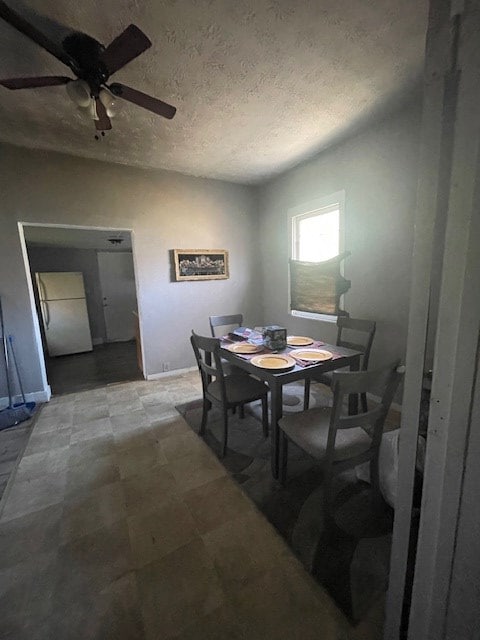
x,y
259,84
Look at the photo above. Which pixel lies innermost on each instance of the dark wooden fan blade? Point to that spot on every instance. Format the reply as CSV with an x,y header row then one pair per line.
x,y
142,100
34,34
33,83
127,46
103,123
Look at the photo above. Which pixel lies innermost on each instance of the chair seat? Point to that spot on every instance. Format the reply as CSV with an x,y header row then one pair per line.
x,y
309,430
240,389
231,370
326,378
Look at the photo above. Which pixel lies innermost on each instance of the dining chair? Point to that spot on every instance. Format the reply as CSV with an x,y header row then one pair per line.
x,y
234,320
349,334
340,440
226,392
231,321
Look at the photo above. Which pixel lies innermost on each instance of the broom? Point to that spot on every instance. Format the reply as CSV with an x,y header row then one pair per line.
x,y
14,413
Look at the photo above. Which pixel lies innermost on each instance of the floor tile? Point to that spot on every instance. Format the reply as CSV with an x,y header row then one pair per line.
x,y
195,469
220,624
139,459
91,474
26,592
178,591
34,466
92,563
280,605
129,422
113,614
21,539
168,425
180,444
91,449
216,502
91,429
40,442
125,406
88,413
32,495
96,510
128,527
157,533
148,491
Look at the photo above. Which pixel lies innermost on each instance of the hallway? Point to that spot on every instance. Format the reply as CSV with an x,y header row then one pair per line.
x,y
108,363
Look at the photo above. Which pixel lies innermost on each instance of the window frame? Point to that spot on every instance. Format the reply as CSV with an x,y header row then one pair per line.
x,y
306,210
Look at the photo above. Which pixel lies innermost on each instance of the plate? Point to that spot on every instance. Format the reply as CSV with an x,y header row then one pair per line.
x,y
244,347
298,341
313,355
275,361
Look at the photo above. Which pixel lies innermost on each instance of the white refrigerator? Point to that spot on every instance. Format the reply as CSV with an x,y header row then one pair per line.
x,y
64,312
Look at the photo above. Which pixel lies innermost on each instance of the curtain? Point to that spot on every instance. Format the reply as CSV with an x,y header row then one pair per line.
x,y
316,287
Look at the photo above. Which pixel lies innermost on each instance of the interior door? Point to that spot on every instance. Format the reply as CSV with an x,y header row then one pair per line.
x,y
117,279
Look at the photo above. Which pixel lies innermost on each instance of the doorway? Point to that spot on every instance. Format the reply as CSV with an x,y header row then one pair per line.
x,y
100,264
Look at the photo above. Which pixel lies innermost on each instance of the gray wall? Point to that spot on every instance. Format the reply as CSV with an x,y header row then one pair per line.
x,y
69,259
165,210
378,172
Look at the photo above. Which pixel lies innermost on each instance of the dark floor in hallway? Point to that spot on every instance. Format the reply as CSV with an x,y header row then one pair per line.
x,y
106,364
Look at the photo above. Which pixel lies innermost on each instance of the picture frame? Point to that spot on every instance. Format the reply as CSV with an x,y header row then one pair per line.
x,y
201,264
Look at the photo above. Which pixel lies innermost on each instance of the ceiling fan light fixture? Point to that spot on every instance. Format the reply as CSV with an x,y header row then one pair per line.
x,y
79,92
108,101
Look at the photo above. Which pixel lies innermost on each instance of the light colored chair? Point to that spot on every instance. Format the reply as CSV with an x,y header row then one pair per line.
x,y
219,325
226,392
339,440
349,332
230,321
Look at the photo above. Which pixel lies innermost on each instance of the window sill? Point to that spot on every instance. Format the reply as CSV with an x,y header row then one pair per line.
x,y
314,316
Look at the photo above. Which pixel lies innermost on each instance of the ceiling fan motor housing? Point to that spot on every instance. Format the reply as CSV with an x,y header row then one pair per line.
x,y
86,52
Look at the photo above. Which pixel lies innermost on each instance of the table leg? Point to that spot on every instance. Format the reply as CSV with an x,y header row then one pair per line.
x,y
276,409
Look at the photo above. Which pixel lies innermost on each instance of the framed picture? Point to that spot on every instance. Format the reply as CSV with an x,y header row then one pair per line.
x,y
200,264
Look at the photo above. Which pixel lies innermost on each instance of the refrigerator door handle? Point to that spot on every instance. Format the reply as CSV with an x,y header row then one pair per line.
x,y
43,300
46,314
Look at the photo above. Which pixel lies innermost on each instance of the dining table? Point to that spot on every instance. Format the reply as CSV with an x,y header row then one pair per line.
x,y
276,379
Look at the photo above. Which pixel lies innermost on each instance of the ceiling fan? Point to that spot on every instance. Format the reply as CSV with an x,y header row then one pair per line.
x,y
93,64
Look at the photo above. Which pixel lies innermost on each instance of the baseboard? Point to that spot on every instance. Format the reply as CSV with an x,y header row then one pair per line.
x,y
169,374
36,396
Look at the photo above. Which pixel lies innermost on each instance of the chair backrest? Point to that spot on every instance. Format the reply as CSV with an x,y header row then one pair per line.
x,y
363,330
207,355
233,320
383,382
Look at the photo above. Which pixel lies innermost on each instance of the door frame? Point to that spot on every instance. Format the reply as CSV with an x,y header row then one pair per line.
x,y
36,324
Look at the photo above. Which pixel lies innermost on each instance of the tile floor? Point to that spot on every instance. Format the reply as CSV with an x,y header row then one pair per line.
x,y
120,523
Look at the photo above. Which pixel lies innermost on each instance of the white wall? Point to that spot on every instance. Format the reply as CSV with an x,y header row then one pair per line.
x,y
378,172
165,210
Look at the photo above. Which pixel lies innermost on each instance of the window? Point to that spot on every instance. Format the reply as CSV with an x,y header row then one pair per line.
x,y
317,237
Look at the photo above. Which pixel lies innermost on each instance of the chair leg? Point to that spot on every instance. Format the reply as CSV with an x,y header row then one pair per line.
x,y
225,432
377,498
265,416
205,410
283,458
363,399
306,397
329,518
